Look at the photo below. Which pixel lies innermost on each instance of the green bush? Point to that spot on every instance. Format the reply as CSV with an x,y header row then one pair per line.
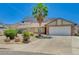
x,y
10,33
20,31
26,34
31,34
26,37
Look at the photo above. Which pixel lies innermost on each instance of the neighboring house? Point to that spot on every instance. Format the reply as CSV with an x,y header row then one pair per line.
x,y
2,28
55,26
29,24
32,26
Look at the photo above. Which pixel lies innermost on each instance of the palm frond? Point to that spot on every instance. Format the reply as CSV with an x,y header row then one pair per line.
x,y
40,12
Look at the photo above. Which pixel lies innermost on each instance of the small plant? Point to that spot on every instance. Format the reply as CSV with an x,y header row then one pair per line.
x,y
26,37
31,33
76,34
19,31
10,33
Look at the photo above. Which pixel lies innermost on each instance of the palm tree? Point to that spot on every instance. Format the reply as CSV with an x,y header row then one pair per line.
x,y
40,12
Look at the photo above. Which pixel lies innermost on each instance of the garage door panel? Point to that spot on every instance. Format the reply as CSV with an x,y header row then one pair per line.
x,y
61,30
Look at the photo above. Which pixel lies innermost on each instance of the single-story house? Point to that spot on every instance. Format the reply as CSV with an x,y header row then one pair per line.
x,y
55,26
60,26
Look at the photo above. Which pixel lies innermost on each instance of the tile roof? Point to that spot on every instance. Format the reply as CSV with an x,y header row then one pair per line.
x,y
32,19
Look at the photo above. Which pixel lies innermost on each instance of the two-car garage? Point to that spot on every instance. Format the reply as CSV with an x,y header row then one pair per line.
x,y
60,30
60,27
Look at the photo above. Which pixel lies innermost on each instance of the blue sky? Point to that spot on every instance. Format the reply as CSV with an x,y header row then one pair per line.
x,y
13,13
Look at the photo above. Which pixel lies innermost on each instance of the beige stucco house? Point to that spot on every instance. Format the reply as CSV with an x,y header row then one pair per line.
x,y
60,26
55,26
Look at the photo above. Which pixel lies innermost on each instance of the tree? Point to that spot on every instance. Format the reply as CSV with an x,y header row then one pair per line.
x,y
40,12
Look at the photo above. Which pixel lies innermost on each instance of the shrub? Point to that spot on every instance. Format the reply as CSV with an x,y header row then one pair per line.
x,y
10,33
76,34
20,31
31,34
26,34
26,37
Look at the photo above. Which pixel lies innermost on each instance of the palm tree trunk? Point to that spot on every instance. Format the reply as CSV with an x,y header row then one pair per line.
x,y
39,30
40,19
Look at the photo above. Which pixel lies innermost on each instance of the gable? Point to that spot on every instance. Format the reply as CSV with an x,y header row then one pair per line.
x,y
66,22
52,23
60,22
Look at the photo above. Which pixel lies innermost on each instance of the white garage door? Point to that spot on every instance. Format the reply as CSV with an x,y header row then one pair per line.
x,y
60,30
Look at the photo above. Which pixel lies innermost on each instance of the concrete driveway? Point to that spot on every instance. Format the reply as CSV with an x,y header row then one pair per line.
x,y
56,45
75,45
